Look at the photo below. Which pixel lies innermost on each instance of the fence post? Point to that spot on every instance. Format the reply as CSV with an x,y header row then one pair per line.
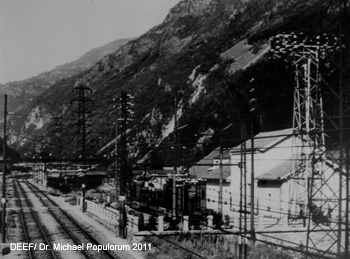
x,y
186,223
261,220
136,224
161,223
210,221
285,220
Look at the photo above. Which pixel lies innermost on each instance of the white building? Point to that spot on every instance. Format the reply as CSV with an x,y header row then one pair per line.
x,y
272,165
278,189
209,169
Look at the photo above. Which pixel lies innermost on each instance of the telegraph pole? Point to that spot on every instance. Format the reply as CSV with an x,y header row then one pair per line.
x,y
125,118
221,168
252,183
116,176
175,155
3,200
243,195
252,102
123,150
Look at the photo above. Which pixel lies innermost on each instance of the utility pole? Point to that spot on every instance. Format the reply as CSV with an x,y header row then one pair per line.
x,y
116,175
243,195
125,119
347,233
175,156
252,102
221,168
3,200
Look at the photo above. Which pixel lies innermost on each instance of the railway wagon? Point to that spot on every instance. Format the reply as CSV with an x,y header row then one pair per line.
x,y
150,193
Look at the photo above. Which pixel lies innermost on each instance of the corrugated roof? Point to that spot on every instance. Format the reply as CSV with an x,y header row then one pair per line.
x,y
279,172
265,140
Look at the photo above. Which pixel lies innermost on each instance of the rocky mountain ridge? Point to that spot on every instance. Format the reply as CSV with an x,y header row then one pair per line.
x,y
205,53
22,92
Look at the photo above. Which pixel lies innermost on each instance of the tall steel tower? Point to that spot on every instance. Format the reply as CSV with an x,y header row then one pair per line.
x,y
312,196
84,108
125,117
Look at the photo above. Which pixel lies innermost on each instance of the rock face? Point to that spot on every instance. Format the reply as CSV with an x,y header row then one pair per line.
x,y
205,52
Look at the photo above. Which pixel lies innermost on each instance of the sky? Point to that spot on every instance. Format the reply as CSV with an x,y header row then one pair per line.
x,y
38,35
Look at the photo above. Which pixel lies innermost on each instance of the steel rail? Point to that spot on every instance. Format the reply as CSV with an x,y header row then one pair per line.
x,y
36,220
75,239
24,225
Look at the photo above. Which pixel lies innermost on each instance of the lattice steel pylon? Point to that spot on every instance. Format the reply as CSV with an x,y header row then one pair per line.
x,y
124,174
84,108
313,194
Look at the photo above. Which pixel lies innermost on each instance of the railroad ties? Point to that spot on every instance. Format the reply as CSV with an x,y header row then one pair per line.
x,y
76,234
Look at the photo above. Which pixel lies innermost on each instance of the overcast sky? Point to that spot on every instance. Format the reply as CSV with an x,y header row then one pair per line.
x,y
38,35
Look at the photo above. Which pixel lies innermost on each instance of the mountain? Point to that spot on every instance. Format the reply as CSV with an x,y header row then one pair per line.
x,y
90,58
22,92
207,53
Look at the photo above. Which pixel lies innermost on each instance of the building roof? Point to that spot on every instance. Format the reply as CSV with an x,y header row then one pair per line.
x,y
205,163
265,140
215,173
262,142
225,155
200,169
279,172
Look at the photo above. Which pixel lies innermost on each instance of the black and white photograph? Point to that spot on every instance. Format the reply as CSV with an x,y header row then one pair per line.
x,y
175,129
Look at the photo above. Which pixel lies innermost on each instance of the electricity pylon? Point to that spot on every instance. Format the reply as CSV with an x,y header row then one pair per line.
x,y
311,186
125,116
84,108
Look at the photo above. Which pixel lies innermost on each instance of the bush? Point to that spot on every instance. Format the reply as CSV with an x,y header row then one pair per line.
x,y
268,252
208,246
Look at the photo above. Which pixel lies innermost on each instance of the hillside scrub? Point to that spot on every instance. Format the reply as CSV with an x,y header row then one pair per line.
x,y
209,247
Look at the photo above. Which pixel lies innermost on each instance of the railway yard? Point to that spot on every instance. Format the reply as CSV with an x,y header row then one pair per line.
x,y
56,229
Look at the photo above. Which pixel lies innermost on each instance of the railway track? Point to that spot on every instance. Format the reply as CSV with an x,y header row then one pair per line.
x,y
32,228
77,233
